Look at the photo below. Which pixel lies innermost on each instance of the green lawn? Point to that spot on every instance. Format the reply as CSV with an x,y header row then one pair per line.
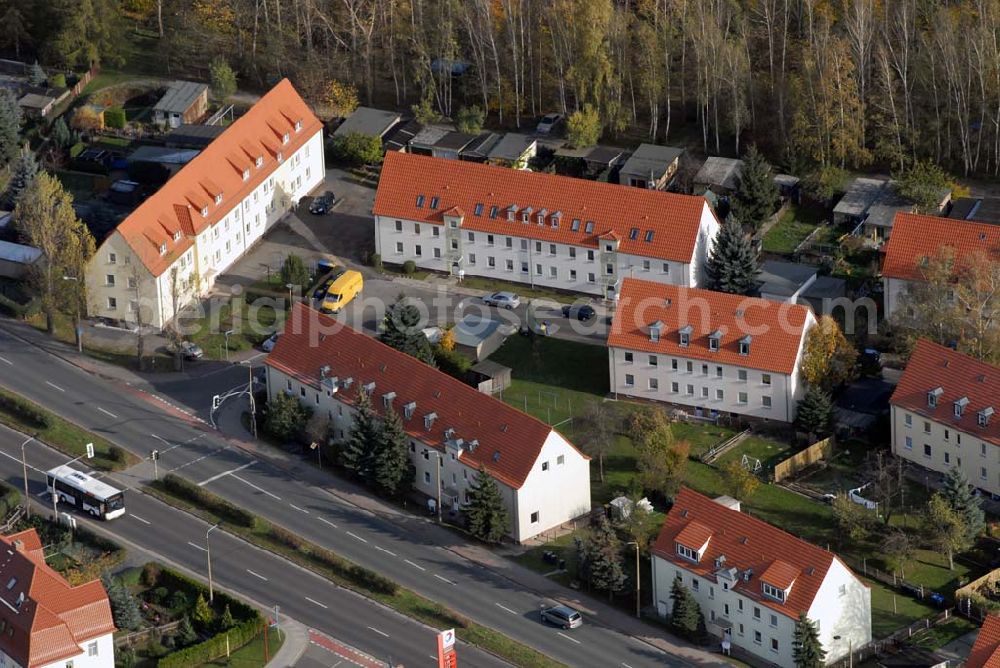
x,y
250,326
888,615
80,184
938,636
125,355
767,450
795,224
251,655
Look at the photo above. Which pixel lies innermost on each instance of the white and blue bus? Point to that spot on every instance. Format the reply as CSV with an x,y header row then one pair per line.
x,y
85,492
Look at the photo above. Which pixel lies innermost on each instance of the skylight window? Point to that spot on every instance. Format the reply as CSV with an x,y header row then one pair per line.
x,y
494,210
633,234
478,210
649,236
11,583
434,202
589,228
575,225
420,201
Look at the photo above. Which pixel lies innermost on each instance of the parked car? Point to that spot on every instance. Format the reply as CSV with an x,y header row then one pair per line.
x,y
188,350
548,123
345,288
269,344
581,312
562,615
507,300
323,204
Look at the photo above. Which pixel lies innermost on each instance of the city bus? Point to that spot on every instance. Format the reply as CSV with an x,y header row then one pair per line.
x,y
85,492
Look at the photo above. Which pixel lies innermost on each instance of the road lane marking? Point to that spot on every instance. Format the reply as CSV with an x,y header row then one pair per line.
x,y
55,386
224,474
326,521
108,413
443,579
257,575
197,547
381,633
6,361
568,638
259,489
504,607
354,535
301,510
139,518
315,602
625,665
382,549
414,565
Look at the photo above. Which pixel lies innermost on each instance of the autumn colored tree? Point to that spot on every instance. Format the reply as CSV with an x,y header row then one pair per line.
x,y
828,359
341,98
739,482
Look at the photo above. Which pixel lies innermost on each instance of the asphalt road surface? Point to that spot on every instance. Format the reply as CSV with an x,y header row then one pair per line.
x,y
266,579
411,552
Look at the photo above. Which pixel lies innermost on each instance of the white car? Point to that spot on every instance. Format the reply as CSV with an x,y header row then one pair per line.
x,y
507,300
548,123
268,345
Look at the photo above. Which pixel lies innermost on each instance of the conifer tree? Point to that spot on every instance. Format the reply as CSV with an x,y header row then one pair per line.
x,y
24,172
226,621
124,608
61,134
402,330
362,440
185,632
486,512
392,470
202,613
732,263
958,492
815,412
600,556
685,615
807,650
756,192
36,75
10,127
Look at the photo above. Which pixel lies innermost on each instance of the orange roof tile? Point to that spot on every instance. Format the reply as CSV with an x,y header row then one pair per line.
x,y
509,440
218,169
748,544
916,236
50,619
694,535
986,650
775,329
674,220
933,366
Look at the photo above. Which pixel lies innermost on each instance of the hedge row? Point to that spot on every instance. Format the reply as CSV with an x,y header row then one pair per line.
x,y
214,647
24,411
174,581
191,492
15,309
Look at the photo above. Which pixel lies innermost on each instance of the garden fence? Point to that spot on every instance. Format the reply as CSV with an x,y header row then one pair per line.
x,y
136,637
804,458
891,579
875,647
720,449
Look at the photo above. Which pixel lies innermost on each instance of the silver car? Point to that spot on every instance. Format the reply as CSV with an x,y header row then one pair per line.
x,y
564,616
507,300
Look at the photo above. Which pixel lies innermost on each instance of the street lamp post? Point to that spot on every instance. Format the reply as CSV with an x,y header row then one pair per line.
x,y
208,552
638,579
227,334
437,471
850,650
290,286
24,467
253,404
78,326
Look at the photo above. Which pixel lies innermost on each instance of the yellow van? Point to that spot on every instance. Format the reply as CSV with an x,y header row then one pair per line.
x,y
343,290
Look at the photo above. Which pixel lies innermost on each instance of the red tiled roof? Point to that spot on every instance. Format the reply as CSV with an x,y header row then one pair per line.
x,y
218,169
694,535
986,650
53,619
509,440
932,366
747,544
615,210
775,329
916,236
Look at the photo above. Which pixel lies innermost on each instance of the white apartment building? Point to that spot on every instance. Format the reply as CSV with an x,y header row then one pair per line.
x,y
752,580
539,229
454,430
944,414
44,621
918,238
172,248
714,352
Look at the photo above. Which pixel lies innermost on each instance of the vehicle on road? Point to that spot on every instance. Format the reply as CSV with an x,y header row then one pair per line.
x,y
507,300
323,204
188,350
269,344
85,492
321,290
548,123
562,615
581,312
344,289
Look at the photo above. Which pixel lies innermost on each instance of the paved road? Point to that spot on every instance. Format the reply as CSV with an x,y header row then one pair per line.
x,y
257,574
409,551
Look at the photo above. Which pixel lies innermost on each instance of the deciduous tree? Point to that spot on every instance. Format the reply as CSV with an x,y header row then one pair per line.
x,y
661,463
853,520
597,432
898,551
222,78
828,359
486,513
739,482
732,262
341,98
356,149
583,127
926,184
470,120
945,529
294,272
10,127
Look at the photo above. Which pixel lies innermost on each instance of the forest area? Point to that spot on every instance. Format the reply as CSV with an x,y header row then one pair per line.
x,y
815,83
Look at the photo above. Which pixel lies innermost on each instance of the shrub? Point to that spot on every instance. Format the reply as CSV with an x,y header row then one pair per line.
x,y
191,492
409,267
452,362
178,600
159,595
76,149
355,149
24,411
376,262
116,454
285,417
150,574
57,80
286,537
114,117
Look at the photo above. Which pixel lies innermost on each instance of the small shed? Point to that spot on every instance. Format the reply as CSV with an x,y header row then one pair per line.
x,y
478,150
720,175
184,102
789,187
447,146
477,337
17,259
513,150
490,377
170,158
35,105
399,136
784,281
368,121
424,141
853,206
651,166
600,158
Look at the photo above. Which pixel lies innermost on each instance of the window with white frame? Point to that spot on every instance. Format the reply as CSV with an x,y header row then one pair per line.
x,y
629,380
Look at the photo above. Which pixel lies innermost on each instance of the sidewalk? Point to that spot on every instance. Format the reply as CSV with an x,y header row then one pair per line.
x,y
295,645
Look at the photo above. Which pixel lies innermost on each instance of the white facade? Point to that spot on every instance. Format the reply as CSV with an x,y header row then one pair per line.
x,y
710,386
556,491
519,258
842,607
96,652
116,273
894,289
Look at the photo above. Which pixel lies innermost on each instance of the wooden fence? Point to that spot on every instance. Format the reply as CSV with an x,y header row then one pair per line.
x,y
800,460
876,647
85,79
136,637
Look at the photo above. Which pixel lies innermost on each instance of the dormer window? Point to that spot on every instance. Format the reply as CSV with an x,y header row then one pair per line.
x,y
655,330
684,336
163,249
246,174
204,212
541,218
259,162
554,218
687,552
369,388
218,198
429,420
280,157
298,126
408,410
713,341
773,592
511,210
387,399
960,406
745,345
284,138
177,235
933,396
526,214
983,417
